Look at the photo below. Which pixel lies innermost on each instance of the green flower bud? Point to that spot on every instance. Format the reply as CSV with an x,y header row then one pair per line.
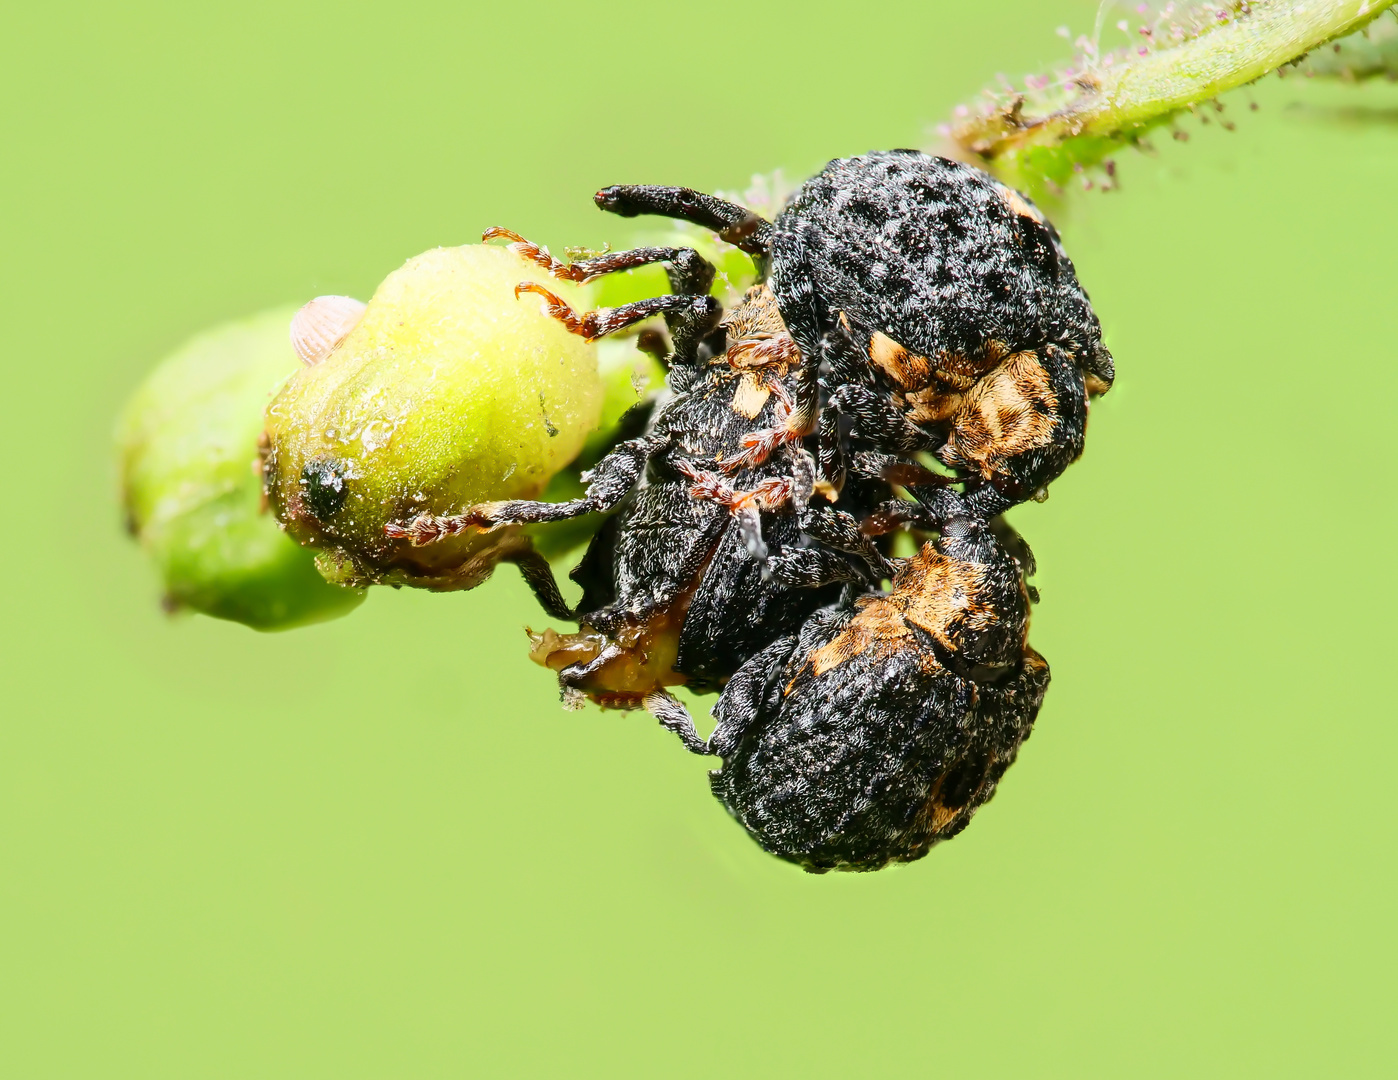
x,y
447,391
188,444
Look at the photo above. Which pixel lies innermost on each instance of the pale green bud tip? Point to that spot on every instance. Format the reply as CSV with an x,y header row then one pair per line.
x,y
447,390
188,444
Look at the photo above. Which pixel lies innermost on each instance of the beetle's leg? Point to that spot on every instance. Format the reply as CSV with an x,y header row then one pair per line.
x,y
690,327
873,418
898,470
810,568
843,364
831,448
858,412
929,509
854,411
964,531
803,476
538,575
841,352
673,716
603,321
1015,545
837,529
746,506
608,482
652,342
689,272
797,416
746,695
734,224
1019,550
987,500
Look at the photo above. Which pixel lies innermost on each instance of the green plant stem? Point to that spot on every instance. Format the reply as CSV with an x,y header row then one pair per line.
x,y
1370,55
1086,115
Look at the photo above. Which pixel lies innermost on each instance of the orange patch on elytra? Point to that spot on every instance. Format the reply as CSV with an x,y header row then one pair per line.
x,y
932,406
944,597
931,591
934,816
904,368
1010,411
1017,203
879,627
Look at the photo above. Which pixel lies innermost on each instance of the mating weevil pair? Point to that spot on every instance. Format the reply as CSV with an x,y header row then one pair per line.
x,y
909,305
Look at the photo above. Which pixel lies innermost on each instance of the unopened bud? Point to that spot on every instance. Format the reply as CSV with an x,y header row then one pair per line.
x,y
188,441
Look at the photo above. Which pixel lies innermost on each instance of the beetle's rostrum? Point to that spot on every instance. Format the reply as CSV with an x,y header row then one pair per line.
x,y
910,306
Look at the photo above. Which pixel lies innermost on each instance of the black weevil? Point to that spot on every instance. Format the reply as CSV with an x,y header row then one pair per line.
x,y
880,727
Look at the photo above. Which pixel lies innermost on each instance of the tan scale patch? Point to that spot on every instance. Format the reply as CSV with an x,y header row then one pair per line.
x,y
756,317
878,628
1007,413
946,601
934,817
961,371
751,396
955,372
1017,204
931,591
759,347
934,405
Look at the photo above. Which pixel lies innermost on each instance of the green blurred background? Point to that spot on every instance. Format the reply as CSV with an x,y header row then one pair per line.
x,y
378,847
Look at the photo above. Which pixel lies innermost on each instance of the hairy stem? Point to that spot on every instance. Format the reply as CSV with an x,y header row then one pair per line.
x,y
1370,55
1079,117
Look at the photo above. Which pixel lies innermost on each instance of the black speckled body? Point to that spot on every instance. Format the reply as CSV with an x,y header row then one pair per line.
x,y
921,279
881,727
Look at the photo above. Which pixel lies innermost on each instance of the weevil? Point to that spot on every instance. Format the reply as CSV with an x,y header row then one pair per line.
x,y
882,725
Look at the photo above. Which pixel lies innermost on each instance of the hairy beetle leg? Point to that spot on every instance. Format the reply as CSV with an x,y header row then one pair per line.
x,y
673,716
608,482
798,416
689,272
538,575
898,470
771,494
838,530
736,225
603,321
745,506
